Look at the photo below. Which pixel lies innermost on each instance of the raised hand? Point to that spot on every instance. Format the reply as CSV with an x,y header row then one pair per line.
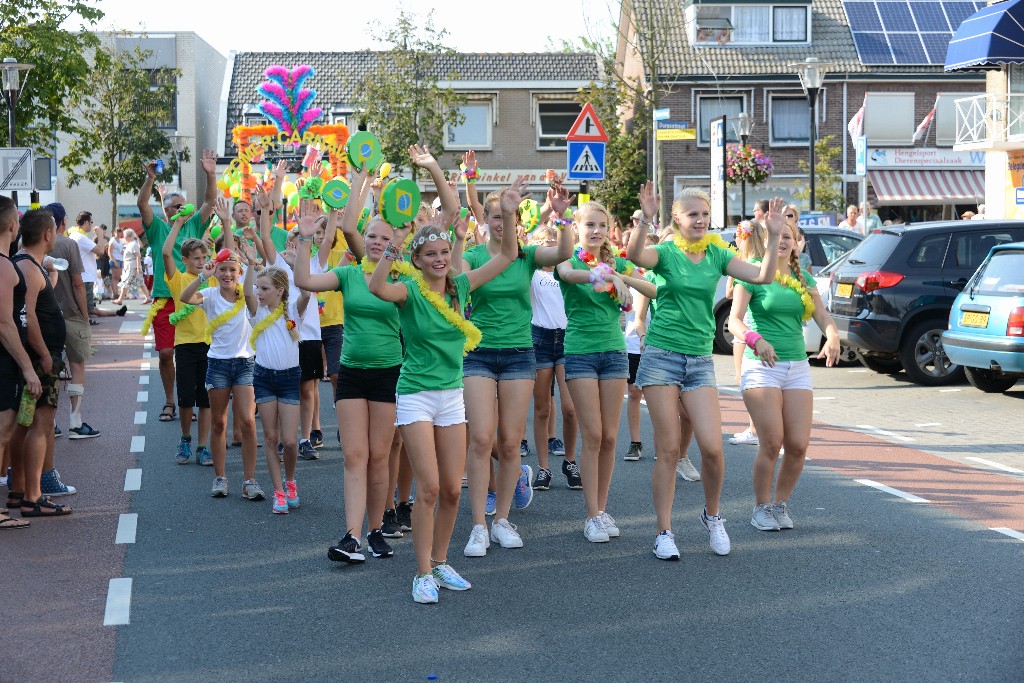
x,y
469,160
774,220
209,268
307,226
261,198
280,169
559,200
249,251
223,211
151,170
209,161
421,156
511,197
650,200
161,190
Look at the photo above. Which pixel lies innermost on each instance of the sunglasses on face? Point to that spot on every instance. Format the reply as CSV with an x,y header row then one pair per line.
x,y
790,215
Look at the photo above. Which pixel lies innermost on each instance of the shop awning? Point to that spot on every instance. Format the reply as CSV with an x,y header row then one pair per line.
x,y
928,187
988,38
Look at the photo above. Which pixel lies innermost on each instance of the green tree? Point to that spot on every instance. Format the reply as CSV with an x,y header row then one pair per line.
x,y
118,114
828,193
34,31
400,99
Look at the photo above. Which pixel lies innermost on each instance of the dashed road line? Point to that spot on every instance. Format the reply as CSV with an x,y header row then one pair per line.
x,y
133,480
857,371
996,465
140,417
119,602
138,444
127,525
147,346
888,489
882,432
144,366
142,397
1012,533
929,424
824,398
147,354
143,379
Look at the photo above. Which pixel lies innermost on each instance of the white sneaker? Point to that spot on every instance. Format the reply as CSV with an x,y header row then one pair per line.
x,y
610,527
594,530
505,534
717,538
781,512
687,471
665,546
745,437
763,518
478,542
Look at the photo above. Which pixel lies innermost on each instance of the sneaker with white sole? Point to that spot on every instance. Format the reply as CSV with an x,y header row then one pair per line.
x,y
781,512
687,471
378,546
220,487
543,480
251,490
572,474
556,447
718,539
665,546
763,518
280,506
505,534
306,451
347,550
746,437
610,526
83,432
524,491
424,590
184,453
446,577
492,501
594,530
51,485
478,542
635,451
204,456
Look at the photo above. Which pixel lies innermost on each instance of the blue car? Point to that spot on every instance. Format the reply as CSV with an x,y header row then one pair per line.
x,y
986,324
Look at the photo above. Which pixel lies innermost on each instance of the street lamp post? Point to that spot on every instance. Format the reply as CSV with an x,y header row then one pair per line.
x,y
178,141
812,73
11,76
745,124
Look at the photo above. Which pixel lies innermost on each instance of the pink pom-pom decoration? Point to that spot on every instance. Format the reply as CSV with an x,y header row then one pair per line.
x,y
288,104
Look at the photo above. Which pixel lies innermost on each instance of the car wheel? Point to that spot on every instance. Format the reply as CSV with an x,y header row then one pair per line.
x,y
924,357
988,381
848,355
723,337
884,366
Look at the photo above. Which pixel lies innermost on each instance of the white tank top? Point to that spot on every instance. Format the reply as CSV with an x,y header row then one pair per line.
x,y
548,305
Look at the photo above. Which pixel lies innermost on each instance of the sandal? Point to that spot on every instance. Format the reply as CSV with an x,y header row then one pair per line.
x,y
44,507
16,498
12,523
168,416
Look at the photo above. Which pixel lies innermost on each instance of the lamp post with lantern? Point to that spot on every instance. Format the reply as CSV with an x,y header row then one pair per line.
x,y
10,72
812,74
744,125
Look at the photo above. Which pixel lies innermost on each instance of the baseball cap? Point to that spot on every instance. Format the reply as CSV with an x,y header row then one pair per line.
x,y
638,214
58,211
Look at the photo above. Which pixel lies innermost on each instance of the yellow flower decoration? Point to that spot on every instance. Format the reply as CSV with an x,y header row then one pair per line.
x,y
153,310
270,320
701,244
397,267
227,315
805,298
473,335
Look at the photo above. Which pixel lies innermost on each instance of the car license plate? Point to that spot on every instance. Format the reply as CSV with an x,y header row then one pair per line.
x,y
969,319
844,290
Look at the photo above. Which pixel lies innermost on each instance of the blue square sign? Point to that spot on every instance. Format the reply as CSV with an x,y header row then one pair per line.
x,y
585,160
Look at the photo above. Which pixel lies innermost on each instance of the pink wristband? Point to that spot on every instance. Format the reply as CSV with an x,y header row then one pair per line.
x,y
750,339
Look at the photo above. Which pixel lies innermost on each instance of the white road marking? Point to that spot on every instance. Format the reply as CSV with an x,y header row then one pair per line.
x,y
816,412
133,480
888,489
947,391
119,602
131,327
140,417
883,432
728,390
643,401
996,465
142,397
857,371
824,398
127,525
144,366
143,379
929,424
147,346
138,444
147,354
1012,533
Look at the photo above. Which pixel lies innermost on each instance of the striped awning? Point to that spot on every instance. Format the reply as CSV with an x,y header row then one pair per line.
x,y
928,187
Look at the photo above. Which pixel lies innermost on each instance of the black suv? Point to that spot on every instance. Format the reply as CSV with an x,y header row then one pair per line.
x,y
892,297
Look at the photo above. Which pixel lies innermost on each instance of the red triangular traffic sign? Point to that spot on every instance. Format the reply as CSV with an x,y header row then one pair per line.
x,y
587,127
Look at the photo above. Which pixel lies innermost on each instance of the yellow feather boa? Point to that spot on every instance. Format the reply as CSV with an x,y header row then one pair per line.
x,y
397,267
473,335
701,244
227,315
270,320
805,298
157,306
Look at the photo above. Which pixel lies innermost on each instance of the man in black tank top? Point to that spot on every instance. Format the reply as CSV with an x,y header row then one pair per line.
x,y
33,446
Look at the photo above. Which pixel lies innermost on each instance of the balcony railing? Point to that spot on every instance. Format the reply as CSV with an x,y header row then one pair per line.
x,y
990,122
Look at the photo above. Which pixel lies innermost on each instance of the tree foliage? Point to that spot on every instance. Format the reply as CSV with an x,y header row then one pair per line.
x,y
33,31
118,114
828,191
400,99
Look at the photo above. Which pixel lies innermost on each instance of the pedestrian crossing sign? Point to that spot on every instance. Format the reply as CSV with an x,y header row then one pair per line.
x,y
585,160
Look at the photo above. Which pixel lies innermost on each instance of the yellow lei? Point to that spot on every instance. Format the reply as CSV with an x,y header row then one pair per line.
x,y
227,315
267,322
473,335
701,244
157,306
795,284
397,267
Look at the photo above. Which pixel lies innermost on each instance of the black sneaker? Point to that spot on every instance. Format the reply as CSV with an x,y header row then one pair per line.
x,y
572,474
524,449
347,550
390,526
378,546
543,480
635,452
316,437
404,514
83,432
306,451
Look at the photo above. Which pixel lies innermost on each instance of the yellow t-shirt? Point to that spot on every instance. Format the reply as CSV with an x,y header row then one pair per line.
x,y
333,312
191,330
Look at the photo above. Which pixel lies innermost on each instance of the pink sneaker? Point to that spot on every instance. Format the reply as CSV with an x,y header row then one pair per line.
x,y
292,494
280,503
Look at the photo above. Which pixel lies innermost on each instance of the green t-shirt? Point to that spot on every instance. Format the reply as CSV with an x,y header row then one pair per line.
x,y
685,322
657,281
156,234
593,317
501,308
371,338
777,312
433,346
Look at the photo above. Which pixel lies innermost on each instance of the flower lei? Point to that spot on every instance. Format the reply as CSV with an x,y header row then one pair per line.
x,y
702,244
151,315
798,287
397,267
591,262
473,335
227,315
262,325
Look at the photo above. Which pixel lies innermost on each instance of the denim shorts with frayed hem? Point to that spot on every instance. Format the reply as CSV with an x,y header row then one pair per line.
x,y
659,367
277,385
500,364
548,347
224,373
601,365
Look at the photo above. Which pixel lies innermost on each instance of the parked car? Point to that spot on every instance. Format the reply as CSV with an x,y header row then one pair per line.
x,y
814,338
892,296
824,245
986,324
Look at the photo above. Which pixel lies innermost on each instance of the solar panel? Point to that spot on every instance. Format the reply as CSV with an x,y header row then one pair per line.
x,y
958,11
896,16
907,48
936,44
873,47
906,32
863,16
929,16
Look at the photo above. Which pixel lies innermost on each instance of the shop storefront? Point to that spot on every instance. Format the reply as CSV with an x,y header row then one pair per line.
x,y
922,184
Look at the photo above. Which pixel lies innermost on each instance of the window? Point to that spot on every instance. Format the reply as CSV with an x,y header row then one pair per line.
x,y
157,78
554,119
789,24
711,107
944,125
929,252
834,246
1002,274
973,247
255,120
341,116
475,130
789,120
889,119
751,24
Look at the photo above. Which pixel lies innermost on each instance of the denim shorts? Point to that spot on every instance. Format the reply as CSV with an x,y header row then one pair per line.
x,y
500,364
659,367
601,365
277,385
224,373
548,347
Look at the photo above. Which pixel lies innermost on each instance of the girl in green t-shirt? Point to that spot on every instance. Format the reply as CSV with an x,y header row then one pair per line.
x,y
776,379
595,286
430,412
676,361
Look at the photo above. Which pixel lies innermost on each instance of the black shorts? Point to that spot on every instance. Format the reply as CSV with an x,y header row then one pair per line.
x,y
333,336
369,385
12,383
311,359
634,363
190,361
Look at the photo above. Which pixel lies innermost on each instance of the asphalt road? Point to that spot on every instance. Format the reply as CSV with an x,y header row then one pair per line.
x,y
869,586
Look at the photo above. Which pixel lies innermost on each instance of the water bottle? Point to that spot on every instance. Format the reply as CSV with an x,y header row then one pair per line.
x,y
57,263
27,408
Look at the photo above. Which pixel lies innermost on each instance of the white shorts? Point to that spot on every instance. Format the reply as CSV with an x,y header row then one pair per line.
x,y
785,375
442,408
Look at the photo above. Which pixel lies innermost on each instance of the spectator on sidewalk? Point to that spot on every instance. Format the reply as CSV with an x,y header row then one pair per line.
x,y
853,221
91,244
115,250
869,220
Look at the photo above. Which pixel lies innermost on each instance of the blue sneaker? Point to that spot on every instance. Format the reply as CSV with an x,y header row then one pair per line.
x,y
524,490
184,452
524,449
556,447
424,590
446,577
204,456
492,500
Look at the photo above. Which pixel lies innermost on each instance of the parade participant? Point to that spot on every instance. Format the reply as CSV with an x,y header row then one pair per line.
x,y
156,232
503,367
750,241
132,271
636,327
276,376
776,381
677,351
595,288
191,344
115,255
430,411
229,371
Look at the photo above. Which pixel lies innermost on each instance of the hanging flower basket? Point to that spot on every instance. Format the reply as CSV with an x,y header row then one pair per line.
x,y
743,162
